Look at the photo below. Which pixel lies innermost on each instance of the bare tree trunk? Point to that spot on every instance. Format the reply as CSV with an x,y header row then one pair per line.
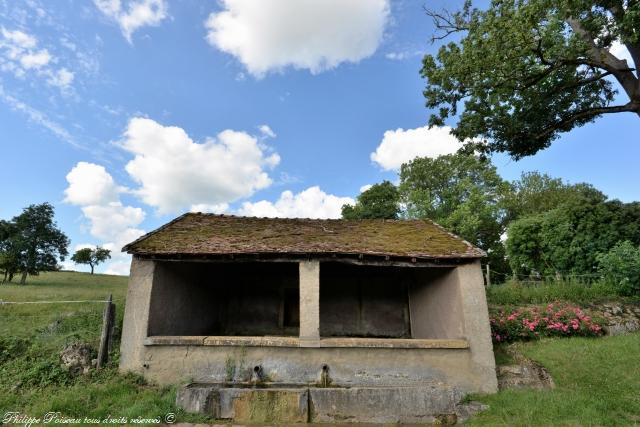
x,y
91,268
10,276
23,278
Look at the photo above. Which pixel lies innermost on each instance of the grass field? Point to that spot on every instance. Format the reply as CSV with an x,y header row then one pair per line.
x,y
598,380
32,335
597,384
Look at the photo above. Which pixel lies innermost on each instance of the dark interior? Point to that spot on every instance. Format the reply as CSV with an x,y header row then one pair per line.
x,y
226,299
364,301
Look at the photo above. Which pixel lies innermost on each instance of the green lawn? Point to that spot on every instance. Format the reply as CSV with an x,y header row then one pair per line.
x,y
32,335
598,380
597,384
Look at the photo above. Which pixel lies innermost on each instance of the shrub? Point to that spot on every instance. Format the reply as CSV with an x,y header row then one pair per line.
x,y
12,347
575,290
556,319
621,267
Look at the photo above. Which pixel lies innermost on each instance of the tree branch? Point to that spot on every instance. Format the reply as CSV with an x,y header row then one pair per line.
x,y
632,107
604,59
446,23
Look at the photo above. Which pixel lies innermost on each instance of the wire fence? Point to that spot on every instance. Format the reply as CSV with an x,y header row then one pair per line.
x,y
559,277
51,302
90,321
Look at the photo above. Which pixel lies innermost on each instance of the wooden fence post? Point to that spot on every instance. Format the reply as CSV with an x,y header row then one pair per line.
x,y
108,320
488,275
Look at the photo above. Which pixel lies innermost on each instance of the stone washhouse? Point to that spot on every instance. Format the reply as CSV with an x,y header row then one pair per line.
x,y
304,320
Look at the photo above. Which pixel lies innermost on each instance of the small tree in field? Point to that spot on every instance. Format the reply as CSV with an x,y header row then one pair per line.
x,y
91,257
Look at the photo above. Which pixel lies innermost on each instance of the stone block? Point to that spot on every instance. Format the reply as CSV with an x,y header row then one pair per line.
x,y
199,399
419,404
281,405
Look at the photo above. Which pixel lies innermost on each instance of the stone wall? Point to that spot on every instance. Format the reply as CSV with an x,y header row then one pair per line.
x,y
620,318
172,298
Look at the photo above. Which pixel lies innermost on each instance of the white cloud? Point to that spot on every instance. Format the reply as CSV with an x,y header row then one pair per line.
x,y
38,117
174,172
93,189
20,53
139,14
119,268
400,146
22,56
35,59
365,187
270,35
401,55
110,221
267,131
217,209
62,78
79,246
90,184
310,203
19,38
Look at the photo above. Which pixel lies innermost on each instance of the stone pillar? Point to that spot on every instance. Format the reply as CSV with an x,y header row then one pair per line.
x,y
136,315
309,304
476,325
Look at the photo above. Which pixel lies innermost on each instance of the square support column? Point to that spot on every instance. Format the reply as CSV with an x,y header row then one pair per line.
x,y
476,324
135,324
309,304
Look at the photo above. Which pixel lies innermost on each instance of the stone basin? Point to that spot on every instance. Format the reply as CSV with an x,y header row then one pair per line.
x,y
303,403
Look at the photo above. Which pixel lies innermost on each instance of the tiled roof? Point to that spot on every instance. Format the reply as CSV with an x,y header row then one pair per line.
x,y
195,234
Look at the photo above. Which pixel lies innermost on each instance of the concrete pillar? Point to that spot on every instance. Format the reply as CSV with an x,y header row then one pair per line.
x,y
136,315
309,304
476,325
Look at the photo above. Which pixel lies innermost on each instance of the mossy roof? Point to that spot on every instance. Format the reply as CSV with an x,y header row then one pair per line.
x,y
208,234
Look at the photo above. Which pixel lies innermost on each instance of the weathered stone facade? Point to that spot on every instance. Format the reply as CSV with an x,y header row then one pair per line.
x,y
314,337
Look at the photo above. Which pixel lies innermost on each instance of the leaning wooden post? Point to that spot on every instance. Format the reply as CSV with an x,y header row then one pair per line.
x,y
112,326
103,351
488,275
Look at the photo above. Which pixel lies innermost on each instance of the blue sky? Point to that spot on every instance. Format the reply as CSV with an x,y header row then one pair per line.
x,y
124,114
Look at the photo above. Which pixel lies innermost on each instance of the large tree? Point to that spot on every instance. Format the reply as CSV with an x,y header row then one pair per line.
x,y
379,201
463,193
525,71
91,256
536,193
37,240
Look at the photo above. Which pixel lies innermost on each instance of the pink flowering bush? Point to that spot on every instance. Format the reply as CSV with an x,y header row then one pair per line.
x,y
554,320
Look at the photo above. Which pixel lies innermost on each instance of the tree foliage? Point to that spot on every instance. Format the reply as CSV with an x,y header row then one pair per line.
x,y
8,251
379,201
525,71
621,266
536,193
569,238
32,242
91,256
463,193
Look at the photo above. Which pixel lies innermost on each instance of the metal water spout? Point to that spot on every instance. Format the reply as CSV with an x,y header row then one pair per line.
x,y
257,375
325,380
